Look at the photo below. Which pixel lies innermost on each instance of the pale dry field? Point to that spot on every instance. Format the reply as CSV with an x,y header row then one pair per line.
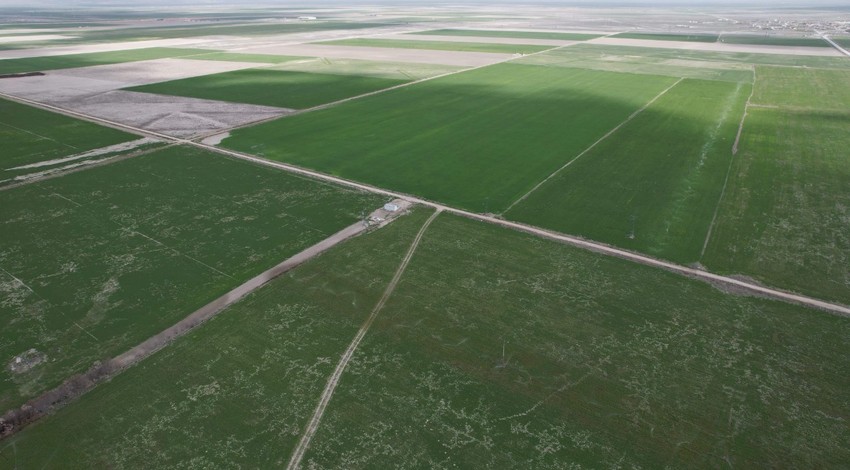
x,y
718,47
386,54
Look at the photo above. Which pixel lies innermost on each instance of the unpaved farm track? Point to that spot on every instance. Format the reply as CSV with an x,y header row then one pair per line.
x,y
598,247
333,381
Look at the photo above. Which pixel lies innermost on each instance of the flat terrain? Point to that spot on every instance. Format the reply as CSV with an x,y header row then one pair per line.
x,y
730,47
38,64
762,40
490,33
29,135
95,91
369,68
96,261
427,139
284,89
258,368
521,353
654,184
441,45
383,54
671,63
669,37
784,217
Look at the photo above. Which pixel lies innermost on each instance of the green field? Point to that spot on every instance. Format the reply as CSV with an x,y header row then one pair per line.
x,y
237,391
94,262
272,87
648,61
773,40
439,45
669,37
29,135
438,139
784,217
804,89
647,57
369,68
190,31
35,64
240,57
510,34
520,353
654,184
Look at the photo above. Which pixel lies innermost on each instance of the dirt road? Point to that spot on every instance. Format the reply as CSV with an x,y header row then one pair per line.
x,y
333,381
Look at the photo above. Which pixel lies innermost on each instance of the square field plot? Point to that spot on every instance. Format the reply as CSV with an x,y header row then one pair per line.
x,y
784,218
653,185
94,262
271,87
479,139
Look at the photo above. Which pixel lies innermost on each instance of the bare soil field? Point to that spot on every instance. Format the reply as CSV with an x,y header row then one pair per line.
x,y
88,48
421,56
717,47
96,91
32,38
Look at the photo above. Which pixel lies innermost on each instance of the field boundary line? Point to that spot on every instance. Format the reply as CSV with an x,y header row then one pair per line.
x,y
598,247
728,171
333,380
77,385
588,149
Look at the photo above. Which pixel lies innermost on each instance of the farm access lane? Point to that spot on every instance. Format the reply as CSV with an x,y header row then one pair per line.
x,y
598,247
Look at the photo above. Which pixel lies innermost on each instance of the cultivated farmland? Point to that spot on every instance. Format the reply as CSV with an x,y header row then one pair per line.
x,y
95,262
521,353
271,87
441,45
669,37
246,382
30,135
435,139
509,34
653,185
605,237
36,64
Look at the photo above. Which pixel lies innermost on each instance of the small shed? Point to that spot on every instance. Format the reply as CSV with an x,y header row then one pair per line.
x,y
390,207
